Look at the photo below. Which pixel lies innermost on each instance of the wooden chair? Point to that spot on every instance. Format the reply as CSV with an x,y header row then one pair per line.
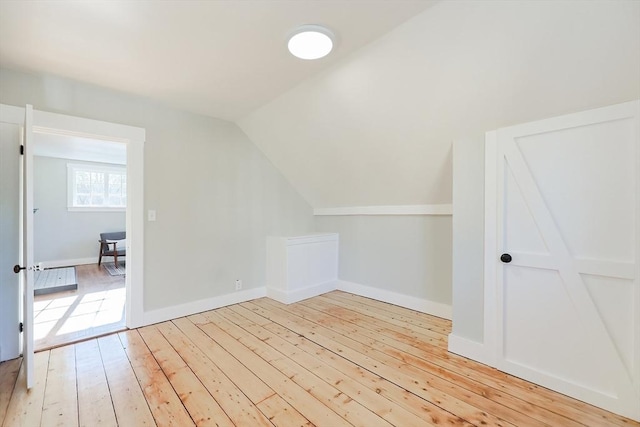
x,y
108,246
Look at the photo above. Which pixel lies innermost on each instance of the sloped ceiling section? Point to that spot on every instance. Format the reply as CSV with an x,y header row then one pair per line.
x,y
220,58
377,128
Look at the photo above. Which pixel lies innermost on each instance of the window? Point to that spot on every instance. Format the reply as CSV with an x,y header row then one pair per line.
x,y
96,188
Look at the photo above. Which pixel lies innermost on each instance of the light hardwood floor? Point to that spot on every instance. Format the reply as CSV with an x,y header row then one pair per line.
x,y
95,308
333,360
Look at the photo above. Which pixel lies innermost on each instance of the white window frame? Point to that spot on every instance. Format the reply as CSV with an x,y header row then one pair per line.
x,y
71,187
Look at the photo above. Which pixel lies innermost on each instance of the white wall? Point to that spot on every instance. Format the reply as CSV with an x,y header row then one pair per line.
x,y
406,254
61,235
216,196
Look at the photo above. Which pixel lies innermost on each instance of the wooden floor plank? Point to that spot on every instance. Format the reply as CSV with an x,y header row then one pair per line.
x,y
427,411
252,386
235,403
202,407
281,413
387,325
165,405
375,338
129,402
404,315
299,397
392,308
25,407
333,360
9,371
476,379
493,401
362,356
341,403
94,400
384,408
60,407
549,402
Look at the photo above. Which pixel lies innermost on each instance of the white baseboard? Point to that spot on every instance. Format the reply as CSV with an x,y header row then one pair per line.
x,y
187,309
289,297
406,301
418,304
68,262
470,349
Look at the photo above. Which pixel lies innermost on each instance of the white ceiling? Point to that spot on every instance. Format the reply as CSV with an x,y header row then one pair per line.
x,y
371,124
218,58
380,126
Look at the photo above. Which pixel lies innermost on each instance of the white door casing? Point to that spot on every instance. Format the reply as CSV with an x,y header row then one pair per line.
x,y
134,137
27,246
563,199
31,121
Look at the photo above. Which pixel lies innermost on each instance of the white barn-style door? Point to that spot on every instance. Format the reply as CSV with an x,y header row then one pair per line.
x,y
563,253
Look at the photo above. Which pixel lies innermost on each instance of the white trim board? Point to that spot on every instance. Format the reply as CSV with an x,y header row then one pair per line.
x,y
62,124
418,304
470,349
198,306
440,209
289,297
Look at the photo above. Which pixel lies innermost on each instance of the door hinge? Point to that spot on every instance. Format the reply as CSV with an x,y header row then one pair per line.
x,y
21,327
22,150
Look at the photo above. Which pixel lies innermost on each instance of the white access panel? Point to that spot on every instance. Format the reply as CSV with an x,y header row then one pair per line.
x,y
300,267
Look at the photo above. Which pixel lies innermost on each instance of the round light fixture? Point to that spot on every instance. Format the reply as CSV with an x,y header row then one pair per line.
x,y
310,42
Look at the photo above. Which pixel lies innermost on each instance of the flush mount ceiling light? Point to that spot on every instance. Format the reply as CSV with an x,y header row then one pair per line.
x,y
310,42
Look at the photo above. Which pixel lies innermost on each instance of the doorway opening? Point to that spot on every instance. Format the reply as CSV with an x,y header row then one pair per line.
x,y
80,192
18,126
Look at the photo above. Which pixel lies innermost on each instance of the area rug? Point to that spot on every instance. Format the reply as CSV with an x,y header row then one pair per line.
x,y
55,280
113,270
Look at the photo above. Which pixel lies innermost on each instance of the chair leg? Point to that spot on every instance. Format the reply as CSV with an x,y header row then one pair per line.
x,y
115,259
100,256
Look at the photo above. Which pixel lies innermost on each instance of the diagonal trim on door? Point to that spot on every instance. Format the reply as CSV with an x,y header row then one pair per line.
x,y
617,269
567,266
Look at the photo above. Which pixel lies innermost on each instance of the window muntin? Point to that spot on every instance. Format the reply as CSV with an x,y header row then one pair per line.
x,y
94,187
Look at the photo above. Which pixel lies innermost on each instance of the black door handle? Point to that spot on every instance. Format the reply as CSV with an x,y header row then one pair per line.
x,y
17,268
506,258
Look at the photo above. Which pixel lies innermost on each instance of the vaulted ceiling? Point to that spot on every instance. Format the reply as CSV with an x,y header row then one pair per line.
x,y
218,58
377,128
371,124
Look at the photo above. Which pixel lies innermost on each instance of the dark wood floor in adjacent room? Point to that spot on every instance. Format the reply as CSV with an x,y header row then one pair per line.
x,y
333,360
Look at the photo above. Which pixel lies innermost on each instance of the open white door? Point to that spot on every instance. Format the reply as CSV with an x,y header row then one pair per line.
x,y
566,255
27,245
11,124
